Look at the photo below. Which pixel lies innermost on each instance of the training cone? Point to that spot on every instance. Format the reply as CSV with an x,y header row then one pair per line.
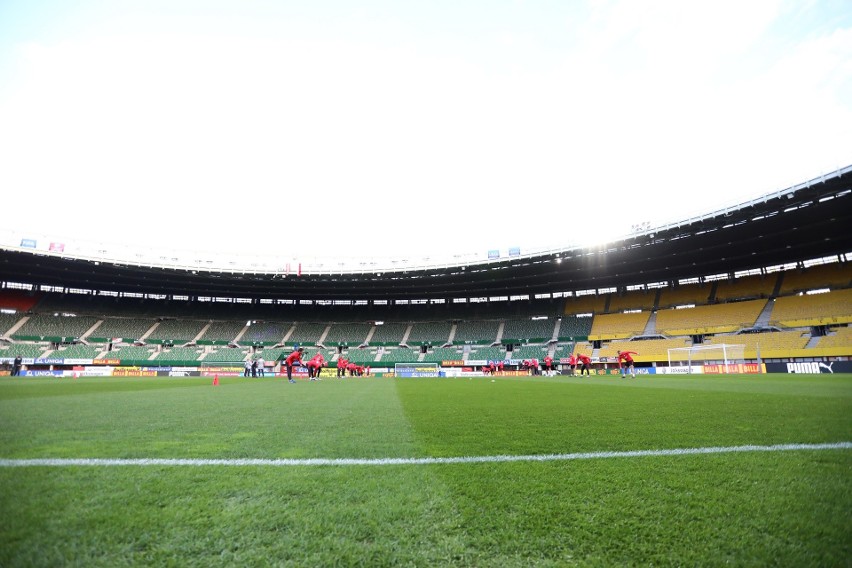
x,y
216,381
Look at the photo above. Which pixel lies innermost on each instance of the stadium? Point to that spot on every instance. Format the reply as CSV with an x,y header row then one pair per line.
x,y
771,276
119,450
425,284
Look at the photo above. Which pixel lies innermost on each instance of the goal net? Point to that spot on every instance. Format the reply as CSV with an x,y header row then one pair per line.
x,y
726,355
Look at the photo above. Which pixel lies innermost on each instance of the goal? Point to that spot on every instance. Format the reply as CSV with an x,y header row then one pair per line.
x,y
723,354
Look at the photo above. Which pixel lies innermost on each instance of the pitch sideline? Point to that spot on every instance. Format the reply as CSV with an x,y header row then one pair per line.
x,y
107,462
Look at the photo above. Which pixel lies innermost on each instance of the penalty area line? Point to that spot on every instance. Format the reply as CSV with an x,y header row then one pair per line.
x,y
107,462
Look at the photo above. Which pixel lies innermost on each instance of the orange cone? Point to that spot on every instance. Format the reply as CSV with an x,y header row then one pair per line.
x,y
216,381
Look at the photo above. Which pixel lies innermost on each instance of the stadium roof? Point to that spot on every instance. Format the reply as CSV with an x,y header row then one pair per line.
x,y
808,221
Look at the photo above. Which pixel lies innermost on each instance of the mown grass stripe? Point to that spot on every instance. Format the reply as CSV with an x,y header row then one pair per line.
x,y
105,462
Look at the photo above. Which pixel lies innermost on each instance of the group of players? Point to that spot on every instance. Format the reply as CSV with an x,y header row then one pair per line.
x,y
546,367
575,361
317,362
532,365
625,363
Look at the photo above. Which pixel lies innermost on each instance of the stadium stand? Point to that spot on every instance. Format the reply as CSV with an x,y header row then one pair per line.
x,y
477,332
51,326
647,349
771,344
633,300
265,333
179,354
527,330
439,354
684,294
129,329
389,333
839,338
585,304
176,330
7,322
222,332
487,353
562,350
226,354
576,327
830,308
347,334
529,352
25,350
618,326
584,347
835,275
838,335
129,354
746,288
329,354
400,355
720,318
365,356
273,353
306,333
437,333
723,307
76,352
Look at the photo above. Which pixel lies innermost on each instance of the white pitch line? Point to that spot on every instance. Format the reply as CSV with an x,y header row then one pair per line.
x,y
105,462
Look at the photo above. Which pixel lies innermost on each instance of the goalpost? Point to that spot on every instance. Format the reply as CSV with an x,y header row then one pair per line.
x,y
723,354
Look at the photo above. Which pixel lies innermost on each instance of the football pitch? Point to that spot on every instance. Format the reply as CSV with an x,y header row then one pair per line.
x,y
600,471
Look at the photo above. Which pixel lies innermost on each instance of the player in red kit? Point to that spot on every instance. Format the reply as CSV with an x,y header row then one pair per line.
x,y
315,365
292,359
572,363
584,361
548,365
341,366
626,358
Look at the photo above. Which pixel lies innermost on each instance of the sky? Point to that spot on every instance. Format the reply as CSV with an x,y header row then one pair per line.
x,y
393,128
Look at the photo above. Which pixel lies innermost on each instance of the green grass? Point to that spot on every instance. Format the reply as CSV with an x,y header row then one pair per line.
x,y
754,509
